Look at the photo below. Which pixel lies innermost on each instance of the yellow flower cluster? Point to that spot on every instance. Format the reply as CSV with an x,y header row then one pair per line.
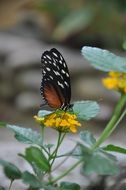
x,y
60,120
115,81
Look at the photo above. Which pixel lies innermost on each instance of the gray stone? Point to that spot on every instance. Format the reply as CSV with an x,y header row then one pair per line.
x,y
21,51
28,79
27,101
92,88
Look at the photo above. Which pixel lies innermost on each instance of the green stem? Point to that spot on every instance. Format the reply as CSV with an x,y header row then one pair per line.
x,y
66,172
54,154
111,125
120,118
42,147
10,184
42,133
62,137
67,155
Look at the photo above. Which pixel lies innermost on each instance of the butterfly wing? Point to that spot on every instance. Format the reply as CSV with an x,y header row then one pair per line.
x,y
55,86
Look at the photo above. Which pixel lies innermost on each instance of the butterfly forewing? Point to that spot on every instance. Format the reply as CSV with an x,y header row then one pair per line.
x,y
55,85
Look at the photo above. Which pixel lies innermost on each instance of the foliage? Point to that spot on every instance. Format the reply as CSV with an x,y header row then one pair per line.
x,y
104,60
97,22
88,152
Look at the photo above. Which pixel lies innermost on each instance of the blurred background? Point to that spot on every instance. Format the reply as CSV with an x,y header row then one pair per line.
x,y
28,28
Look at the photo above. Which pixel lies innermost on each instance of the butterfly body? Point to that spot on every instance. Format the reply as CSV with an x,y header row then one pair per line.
x,y
55,86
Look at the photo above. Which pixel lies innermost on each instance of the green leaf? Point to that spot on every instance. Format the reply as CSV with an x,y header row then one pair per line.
x,y
26,135
101,163
94,161
50,187
98,162
31,180
43,113
85,110
2,188
36,158
114,148
69,186
3,124
104,60
76,21
87,137
10,170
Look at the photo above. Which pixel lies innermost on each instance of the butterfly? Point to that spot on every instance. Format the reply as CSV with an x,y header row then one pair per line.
x,y
55,85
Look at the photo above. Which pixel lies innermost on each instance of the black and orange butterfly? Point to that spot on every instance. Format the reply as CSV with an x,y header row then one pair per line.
x,y
55,86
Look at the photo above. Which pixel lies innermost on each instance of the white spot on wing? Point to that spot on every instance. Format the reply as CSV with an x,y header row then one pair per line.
x,y
54,63
48,69
67,74
66,83
56,73
44,72
61,77
61,57
63,71
48,57
55,54
60,61
64,65
51,77
58,67
60,84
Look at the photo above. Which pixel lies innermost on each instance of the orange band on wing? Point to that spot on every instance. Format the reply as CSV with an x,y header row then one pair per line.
x,y
52,97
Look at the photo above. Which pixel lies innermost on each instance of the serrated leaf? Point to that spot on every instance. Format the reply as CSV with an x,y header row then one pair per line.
x,y
36,157
97,161
10,170
64,185
86,110
100,163
104,60
87,138
114,148
31,180
26,135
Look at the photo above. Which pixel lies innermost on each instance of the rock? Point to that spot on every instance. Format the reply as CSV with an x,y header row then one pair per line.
x,y
22,52
91,87
27,101
6,90
28,80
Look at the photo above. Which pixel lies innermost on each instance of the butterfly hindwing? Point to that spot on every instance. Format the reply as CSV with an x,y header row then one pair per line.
x,y
55,85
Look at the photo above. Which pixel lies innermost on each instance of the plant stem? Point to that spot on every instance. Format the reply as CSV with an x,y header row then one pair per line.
x,y
56,149
67,155
42,133
111,125
66,172
10,184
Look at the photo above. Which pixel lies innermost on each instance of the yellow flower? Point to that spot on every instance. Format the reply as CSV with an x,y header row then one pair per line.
x,y
60,120
115,81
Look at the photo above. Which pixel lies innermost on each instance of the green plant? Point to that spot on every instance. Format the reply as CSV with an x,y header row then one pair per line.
x,y
99,22
88,152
